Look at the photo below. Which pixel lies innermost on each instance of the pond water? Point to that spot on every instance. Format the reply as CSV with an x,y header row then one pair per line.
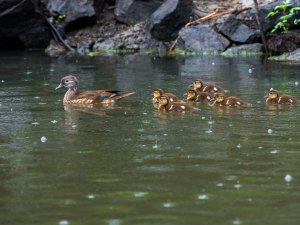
x,y
128,163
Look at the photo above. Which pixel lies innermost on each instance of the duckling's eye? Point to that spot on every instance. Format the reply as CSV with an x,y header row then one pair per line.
x,y
67,81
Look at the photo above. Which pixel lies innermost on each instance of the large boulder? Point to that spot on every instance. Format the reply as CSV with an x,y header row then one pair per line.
x,y
283,43
233,29
135,11
269,23
23,24
75,14
202,38
169,18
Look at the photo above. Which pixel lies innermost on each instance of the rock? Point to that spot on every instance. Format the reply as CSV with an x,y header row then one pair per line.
x,y
202,38
149,45
234,30
283,43
294,56
135,11
104,46
269,23
23,25
249,49
76,13
169,18
110,2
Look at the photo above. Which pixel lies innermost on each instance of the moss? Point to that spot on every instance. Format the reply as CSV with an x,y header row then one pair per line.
x,y
279,58
241,53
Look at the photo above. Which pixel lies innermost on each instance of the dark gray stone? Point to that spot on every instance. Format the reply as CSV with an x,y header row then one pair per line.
x,y
203,38
78,13
23,25
269,23
295,55
104,46
244,49
168,19
234,30
135,11
283,43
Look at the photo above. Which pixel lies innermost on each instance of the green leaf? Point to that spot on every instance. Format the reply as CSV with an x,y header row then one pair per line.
x,y
272,14
272,31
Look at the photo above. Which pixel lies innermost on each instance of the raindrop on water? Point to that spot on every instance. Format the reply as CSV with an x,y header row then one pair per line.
x,y
250,70
202,197
63,222
270,131
239,146
43,139
296,83
288,178
271,89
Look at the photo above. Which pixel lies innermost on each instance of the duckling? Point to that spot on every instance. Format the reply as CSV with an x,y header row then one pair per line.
x,y
220,100
274,97
199,87
90,97
159,92
166,104
201,97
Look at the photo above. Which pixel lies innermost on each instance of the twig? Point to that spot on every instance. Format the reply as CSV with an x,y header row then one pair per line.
x,y
262,33
174,43
60,38
54,36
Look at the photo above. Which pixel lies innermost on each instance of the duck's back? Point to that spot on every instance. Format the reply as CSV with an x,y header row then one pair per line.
x,y
176,106
212,88
203,97
284,99
234,101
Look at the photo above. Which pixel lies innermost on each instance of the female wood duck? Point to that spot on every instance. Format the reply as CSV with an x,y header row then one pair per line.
x,y
220,100
89,97
201,97
274,97
199,87
159,92
166,104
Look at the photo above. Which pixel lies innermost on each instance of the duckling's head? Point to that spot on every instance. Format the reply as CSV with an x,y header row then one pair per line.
x,y
191,93
220,97
272,94
158,92
69,82
197,84
164,100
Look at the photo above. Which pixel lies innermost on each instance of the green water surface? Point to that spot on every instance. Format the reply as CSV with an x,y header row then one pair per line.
x,y
128,163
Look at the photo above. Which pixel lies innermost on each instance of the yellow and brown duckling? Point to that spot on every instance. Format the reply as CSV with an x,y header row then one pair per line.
x,y
72,96
220,100
166,104
159,92
274,97
199,87
200,97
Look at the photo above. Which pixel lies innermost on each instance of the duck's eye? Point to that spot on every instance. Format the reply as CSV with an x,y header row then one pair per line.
x,y
67,81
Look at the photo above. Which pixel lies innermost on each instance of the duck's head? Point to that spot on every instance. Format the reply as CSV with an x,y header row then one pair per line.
x,y
164,100
220,97
197,84
69,82
157,92
191,93
272,94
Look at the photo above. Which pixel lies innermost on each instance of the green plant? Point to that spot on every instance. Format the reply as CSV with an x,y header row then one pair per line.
x,y
60,18
284,19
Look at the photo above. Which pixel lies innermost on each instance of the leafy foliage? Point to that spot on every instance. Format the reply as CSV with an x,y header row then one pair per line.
x,y
283,24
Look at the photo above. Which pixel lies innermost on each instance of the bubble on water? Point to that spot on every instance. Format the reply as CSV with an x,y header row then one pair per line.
x,y
74,126
250,70
237,186
274,151
260,147
288,178
145,113
220,185
202,197
141,130
296,83
210,122
208,131
43,139
29,72
91,196
63,222
258,102
270,131
51,70
36,97
53,121
35,123
2,81
203,118
249,199
271,89
165,134
213,63
237,221
155,146
239,146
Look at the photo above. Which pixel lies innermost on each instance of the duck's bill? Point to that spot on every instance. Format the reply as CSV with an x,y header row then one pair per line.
x,y
213,99
191,85
185,94
156,101
267,96
60,86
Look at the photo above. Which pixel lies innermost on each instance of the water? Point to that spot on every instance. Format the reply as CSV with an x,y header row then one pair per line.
x,y
127,163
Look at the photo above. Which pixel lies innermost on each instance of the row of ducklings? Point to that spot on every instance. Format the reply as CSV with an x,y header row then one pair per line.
x,y
171,102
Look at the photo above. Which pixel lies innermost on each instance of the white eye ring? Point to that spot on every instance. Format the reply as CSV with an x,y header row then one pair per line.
x,y
67,81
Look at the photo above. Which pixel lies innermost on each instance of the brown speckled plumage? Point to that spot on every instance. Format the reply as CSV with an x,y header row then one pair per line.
x,y
274,97
160,92
167,105
200,87
220,100
72,96
198,97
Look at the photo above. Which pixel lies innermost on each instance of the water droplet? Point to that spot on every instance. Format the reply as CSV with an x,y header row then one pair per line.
x,y
275,151
260,147
141,130
237,221
270,131
237,186
43,139
74,126
53,121
288,178
63,222
2,81
51,69
203,117
140,194
250,70
35,123
165,134
155,146
271,89
202,197
36,97
213,63
208,131
296,83
239,146
249,199
91,196
210,122
220,185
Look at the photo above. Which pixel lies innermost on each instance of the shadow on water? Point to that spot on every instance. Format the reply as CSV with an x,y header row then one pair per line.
x,y
128,163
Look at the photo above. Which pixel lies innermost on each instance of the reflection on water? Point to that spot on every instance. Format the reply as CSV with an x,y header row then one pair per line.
x,y
128,162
